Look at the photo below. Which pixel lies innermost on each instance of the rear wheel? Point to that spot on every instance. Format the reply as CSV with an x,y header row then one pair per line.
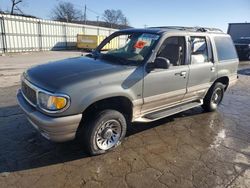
x,y
248,56
104,132
214,97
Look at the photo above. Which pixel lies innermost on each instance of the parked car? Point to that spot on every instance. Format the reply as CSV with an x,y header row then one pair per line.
x,y
154,73
242,46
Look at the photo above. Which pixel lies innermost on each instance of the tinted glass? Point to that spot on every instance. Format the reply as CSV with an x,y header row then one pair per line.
x,y
225,48
173,49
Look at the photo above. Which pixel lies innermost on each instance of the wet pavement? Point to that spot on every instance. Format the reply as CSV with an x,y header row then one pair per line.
x,y
190,149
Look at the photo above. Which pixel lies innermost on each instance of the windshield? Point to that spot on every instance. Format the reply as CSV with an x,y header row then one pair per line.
x,y
129,48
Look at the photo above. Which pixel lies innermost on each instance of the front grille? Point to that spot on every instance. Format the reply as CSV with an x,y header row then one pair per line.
x,y
29,93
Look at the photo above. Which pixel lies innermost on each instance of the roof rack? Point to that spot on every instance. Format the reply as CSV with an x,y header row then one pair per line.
x,y
195,29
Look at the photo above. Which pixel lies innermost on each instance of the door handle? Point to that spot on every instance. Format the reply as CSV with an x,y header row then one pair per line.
x,y
182,73
212,69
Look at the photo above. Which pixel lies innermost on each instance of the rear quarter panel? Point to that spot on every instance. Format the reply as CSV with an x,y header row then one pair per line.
x,y
226,68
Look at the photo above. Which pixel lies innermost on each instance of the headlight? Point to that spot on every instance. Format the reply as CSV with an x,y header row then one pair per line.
x,y
52,103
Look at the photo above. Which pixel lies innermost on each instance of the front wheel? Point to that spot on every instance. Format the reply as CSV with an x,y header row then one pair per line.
x,y
214,97
104,132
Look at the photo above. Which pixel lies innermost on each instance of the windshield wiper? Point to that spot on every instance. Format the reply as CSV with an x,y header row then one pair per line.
x,y
89,55
115,58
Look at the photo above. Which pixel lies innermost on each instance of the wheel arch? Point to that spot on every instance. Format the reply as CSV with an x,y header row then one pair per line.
x,y
120,103
224,80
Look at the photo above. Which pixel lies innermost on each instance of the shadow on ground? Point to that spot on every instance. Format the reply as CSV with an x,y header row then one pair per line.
x,y
22,147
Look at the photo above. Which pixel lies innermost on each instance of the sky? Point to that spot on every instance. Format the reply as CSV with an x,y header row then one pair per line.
x,y
206,13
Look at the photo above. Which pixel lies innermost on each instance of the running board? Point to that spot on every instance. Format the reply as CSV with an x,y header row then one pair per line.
x,y
168,112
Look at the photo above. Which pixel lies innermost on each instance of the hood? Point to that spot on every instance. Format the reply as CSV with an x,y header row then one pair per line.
x,y
55,75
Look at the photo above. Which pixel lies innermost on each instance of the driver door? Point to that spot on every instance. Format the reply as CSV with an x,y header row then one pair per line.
x,y
166,87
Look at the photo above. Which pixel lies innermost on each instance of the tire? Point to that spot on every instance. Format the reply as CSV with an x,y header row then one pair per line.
x,y
104,132
213,97
248,56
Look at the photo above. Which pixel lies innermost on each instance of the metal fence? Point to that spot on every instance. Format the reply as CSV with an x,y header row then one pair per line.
x,y
21,34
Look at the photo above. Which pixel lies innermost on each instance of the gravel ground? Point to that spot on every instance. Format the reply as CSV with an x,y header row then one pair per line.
x,y
190,149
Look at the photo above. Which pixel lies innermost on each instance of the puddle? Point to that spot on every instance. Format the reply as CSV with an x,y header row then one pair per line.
x,y
244,72
218,139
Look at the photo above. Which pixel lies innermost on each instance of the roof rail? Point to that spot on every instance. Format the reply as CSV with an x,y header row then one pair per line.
x,y
196,29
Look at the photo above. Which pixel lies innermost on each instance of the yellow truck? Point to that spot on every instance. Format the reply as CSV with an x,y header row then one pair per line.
x,y
90,42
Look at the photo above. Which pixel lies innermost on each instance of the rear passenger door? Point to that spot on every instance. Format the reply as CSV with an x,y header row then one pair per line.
x,y
201,66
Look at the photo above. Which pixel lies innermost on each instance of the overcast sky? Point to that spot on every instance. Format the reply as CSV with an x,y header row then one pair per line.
x,y
210,13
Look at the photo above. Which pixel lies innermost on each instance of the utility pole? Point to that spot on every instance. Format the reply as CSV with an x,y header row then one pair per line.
x,y
85,14
97,20
126,21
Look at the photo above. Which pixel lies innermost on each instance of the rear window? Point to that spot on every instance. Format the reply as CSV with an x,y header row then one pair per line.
x,y
225,48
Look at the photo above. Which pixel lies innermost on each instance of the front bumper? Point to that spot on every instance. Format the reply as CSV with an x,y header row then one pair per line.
x,y
58,129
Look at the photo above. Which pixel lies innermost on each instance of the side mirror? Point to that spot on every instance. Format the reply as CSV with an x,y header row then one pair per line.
x,y
159,63
162,63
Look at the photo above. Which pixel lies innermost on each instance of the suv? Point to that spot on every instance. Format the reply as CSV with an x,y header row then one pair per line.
x,y
150,74
243,48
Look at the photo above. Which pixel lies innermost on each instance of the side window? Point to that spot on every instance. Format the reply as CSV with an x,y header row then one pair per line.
x,y
199,50
225,48
173,49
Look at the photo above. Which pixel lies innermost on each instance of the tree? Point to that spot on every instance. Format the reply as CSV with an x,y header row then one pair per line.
x,y
114,17
14,6
124,21
65,11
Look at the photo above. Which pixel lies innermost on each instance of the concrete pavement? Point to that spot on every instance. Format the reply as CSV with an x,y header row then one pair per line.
x,y
190,149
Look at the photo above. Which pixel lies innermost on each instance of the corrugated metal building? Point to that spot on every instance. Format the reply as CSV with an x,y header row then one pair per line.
x,y
21,34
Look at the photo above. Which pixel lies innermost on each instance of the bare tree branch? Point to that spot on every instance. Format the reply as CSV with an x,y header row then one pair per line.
x,y
14,5
115,17
65,11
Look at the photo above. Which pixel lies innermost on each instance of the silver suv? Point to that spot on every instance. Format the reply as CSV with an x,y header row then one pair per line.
x,y
149,74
